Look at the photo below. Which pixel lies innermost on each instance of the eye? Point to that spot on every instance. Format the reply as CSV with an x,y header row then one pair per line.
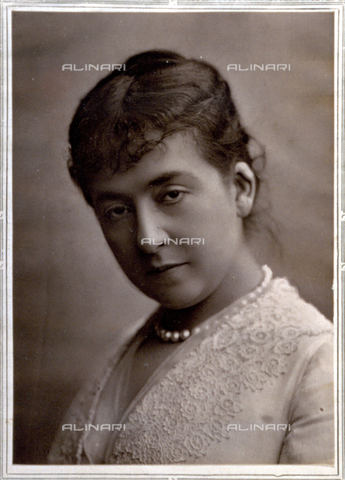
x,y
174,195
116,212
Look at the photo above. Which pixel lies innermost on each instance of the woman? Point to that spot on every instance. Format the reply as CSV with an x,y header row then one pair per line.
x,y
233,367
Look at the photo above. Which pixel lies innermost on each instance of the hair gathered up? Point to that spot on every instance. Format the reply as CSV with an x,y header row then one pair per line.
x,y
129,112
159,93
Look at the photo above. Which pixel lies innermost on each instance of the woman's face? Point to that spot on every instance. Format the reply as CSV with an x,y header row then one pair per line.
x,y
171,194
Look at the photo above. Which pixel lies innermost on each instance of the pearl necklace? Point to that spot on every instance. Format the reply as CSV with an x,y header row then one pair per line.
x,y
176,336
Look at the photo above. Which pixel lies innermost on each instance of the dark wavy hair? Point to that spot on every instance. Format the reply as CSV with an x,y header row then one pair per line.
x,y
159,93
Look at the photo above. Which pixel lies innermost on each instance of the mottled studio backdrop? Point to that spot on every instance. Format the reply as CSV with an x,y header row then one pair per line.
x,y
69,296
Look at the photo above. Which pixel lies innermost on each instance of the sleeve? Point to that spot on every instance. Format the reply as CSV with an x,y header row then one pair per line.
x,y
66,446
311,436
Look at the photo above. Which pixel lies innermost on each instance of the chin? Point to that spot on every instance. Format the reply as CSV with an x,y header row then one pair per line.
x,y
176,300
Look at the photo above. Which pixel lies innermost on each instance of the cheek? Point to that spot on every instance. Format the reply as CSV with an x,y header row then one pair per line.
x,y
222,239
211,261
218,225
121,243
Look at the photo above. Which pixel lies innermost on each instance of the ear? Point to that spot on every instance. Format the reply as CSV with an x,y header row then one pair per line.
x,y
245,183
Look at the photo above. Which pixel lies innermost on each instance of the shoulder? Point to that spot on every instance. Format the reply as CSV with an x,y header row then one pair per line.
x,y
66,446
285,307
311,366
278,333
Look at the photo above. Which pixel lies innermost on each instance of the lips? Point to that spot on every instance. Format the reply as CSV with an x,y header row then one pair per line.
x,y
155,270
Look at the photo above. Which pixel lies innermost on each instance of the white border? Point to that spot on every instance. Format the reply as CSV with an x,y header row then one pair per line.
x,y
10,471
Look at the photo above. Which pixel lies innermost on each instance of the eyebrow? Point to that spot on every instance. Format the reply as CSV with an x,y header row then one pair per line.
x,y
166,177
156,182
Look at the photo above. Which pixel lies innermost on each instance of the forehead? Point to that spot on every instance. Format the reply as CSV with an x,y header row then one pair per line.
x,y
177,157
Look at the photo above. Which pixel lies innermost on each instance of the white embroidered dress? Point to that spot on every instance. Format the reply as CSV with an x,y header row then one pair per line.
x,y
254,386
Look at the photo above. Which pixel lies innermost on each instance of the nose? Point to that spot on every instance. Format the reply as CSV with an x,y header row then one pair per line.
x,y
150,231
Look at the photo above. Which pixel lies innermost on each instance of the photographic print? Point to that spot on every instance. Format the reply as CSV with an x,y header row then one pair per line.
x,y
172,257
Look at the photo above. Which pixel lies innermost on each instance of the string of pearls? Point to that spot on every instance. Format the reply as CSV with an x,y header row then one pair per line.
x,y
176,336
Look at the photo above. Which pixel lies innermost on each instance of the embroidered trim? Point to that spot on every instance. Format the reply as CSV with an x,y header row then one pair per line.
x,y
248,348
190,408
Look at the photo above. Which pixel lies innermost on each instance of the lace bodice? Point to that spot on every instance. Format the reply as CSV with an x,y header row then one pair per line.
x,y
196,401
255,352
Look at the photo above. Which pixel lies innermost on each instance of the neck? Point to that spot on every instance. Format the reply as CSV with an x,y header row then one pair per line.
x,y
243,277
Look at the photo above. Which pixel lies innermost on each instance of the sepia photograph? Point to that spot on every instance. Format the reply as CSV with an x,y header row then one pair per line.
x,y
172,199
